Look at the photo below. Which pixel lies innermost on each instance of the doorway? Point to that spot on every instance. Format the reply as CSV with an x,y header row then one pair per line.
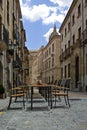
x,y
76,71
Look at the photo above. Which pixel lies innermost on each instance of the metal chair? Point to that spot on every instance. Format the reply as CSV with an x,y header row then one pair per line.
x,y
16,92
62,90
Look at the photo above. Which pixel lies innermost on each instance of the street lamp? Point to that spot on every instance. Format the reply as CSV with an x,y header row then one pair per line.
x,y
11,47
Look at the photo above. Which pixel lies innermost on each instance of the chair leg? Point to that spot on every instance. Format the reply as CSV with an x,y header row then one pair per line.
x,y
68,101
9,103
23,102
15,99
65,100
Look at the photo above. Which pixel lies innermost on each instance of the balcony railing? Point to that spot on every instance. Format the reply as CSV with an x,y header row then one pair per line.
x,y
4,34
77,44
84,36
61,57
17,62
65,54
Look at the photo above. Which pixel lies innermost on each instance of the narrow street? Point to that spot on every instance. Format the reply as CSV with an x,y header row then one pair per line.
x,y
59,118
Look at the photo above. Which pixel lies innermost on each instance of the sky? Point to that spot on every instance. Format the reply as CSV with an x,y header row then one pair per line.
x,y
39,17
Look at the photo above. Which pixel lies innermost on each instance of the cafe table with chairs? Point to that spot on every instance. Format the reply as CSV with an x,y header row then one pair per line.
x,y
44,90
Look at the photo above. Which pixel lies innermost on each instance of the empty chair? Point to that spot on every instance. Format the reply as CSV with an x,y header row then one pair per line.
x,y
16,92
62,90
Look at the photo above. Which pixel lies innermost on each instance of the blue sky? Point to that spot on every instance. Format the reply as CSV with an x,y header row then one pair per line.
x,y
39,17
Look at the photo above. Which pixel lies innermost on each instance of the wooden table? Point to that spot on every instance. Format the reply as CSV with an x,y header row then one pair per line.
x,y
48,88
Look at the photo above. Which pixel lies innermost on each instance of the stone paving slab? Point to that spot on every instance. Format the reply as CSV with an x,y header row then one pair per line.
x,y
60,118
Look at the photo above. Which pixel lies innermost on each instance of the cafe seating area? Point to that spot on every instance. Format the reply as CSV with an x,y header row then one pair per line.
x,y
52,93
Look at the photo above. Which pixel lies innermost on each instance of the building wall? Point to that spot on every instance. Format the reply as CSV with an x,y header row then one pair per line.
x,y
51,63
11,33
32,58
72,32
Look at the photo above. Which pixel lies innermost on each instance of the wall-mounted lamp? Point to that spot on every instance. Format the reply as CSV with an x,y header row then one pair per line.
x,y
11,47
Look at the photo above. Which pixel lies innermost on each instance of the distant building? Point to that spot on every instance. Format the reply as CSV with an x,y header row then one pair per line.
x,y
32,60
51,62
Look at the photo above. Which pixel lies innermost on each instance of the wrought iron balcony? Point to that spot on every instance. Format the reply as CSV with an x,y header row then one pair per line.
x,y
15,32
3,37
61,57
67,53
77,44
84,36
17,62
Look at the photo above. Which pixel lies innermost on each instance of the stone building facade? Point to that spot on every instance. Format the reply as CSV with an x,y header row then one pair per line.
x,y
32,66
12,43
51,62
37,66
73,54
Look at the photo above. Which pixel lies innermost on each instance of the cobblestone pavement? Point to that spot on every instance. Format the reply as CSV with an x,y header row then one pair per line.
x,y
42,118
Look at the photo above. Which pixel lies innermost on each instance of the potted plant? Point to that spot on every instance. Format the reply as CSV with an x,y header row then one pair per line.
x,y
2,90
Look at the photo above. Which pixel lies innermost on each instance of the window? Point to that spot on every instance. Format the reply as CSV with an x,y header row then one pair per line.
x,y
69,70
61,37
73,39
47,53
52,61
52,47
79,10
49,50
8,12
79,33
86,63
0,28
65,47
69,26
65,70
86,24
65,31
61,73
69,44
73,20
49,63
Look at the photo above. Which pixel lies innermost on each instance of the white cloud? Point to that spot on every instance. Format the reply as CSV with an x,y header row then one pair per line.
x,y
35,13
47,14
46,35
62,3
54,17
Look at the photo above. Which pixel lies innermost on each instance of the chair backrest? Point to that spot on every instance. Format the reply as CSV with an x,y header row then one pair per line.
x,y
63,82
55,82
59,82
68,83
51,82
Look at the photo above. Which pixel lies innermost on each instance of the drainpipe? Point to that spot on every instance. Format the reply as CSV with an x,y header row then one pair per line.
x,y
83,47
71,54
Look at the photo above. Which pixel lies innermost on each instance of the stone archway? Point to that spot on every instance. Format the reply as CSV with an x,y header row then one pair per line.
x,y
76,71
1,73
